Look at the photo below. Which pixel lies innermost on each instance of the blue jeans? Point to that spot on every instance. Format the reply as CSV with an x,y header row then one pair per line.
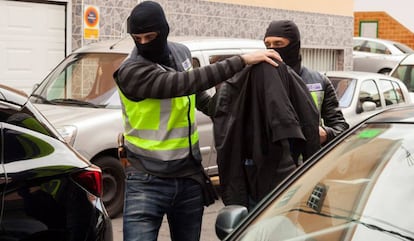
x,y
148,198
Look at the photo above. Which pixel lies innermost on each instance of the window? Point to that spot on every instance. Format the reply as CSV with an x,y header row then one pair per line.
x,y
398,92
86,77
358,44
406,74
391,91
369,92
320,59
377,48
196,63
345,89
368,29
19,146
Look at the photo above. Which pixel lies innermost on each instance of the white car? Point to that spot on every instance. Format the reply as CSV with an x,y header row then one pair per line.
x,y
377,55
362,94
79,97
405,72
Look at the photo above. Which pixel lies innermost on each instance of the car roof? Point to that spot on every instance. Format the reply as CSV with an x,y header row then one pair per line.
x,y
376,39
126,44
408,60
358,75
403,114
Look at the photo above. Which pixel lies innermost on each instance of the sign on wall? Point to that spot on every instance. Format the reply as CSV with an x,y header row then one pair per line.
x,y
91,22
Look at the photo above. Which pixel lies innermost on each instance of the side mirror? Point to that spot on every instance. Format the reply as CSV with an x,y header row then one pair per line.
x,y
368,106
228,218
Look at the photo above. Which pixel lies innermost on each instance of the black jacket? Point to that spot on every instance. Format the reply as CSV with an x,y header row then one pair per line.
x,y
319,85
263,114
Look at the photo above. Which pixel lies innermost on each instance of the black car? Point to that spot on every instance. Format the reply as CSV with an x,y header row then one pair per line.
x,y
48,191
359,187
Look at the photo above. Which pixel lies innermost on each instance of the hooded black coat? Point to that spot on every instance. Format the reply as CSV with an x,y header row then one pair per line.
x,y
263,116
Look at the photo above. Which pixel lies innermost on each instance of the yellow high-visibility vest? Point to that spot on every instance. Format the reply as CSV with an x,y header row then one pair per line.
x,y
160,128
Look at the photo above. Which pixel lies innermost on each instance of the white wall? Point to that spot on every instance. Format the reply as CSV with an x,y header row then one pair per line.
x,y
401,10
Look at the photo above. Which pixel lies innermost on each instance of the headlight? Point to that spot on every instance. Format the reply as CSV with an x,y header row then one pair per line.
x,y
68,133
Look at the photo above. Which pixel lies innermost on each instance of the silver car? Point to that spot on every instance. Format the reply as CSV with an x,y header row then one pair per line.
x,y
79,97
405,72
362,94
377,55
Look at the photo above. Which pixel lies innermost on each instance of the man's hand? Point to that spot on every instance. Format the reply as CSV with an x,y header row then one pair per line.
x,y
323,136
262,55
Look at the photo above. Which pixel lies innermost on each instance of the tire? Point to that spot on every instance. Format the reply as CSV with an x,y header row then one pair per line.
x,y
113,178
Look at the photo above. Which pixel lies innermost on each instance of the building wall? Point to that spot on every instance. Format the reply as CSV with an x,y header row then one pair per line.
x,y
336,7
219,19
388,27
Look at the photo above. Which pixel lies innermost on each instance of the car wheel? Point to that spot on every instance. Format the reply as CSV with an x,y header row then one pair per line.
x,y
113,184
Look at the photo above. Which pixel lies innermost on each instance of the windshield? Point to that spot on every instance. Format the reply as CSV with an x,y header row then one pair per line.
x,y
83,80
345,88
360,190
406,74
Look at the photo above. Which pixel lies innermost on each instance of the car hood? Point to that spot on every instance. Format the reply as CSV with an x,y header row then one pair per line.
x,y
60,115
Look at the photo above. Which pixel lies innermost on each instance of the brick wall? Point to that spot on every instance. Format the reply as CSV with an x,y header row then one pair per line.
x,y
388,27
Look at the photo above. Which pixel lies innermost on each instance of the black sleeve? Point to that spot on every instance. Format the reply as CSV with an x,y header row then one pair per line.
x,y
333,119
203,102
144,79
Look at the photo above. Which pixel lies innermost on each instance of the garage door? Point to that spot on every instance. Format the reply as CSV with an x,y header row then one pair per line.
x,y
32,41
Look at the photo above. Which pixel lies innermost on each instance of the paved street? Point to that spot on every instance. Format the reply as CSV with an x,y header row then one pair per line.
x,y
207,233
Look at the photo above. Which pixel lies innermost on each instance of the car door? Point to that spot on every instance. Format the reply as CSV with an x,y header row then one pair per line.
x,y
34,164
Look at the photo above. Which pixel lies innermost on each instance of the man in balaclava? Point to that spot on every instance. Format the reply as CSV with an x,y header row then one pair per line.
x,y
283,36
164,175
149,18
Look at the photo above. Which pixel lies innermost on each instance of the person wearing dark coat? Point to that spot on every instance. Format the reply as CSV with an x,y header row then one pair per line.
x,y
284,37
264,119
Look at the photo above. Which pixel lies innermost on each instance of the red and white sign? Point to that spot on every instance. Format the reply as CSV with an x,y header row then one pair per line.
x,y
91,22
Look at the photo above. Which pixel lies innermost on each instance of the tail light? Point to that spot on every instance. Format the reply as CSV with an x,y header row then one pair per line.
x,y
90,179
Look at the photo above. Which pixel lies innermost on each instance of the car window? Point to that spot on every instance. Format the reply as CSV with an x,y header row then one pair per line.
x,y
19,146
24,118
358,43
346,194
215,58
369,92
196,63
406,74
391,92
399,94
403,48
344,88
377,48
85,78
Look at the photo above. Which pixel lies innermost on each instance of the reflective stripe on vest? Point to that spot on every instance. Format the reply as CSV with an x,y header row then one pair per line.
x,y
317,97
159,128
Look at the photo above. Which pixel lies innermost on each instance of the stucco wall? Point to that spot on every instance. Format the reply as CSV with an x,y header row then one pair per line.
x,y
207,18
336,7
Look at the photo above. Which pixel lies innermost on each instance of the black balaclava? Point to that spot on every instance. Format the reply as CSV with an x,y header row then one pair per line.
x,y
148,16
291,53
